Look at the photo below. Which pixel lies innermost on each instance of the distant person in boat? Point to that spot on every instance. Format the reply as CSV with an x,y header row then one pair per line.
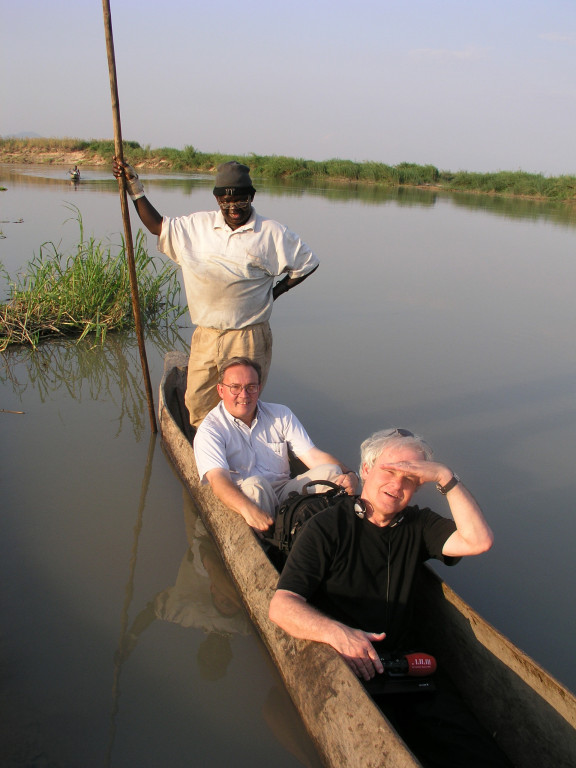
x,y
75,172
349,582
241,448
230,259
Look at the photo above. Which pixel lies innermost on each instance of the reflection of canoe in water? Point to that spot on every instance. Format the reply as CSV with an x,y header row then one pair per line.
x,y
533,716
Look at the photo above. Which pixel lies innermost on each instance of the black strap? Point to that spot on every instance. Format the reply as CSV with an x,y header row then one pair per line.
x,y
330,484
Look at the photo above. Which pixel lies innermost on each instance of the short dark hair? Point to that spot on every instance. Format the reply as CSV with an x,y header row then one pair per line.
x,y
234,361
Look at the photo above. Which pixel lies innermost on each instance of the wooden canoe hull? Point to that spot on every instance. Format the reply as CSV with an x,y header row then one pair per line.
x,y
532,716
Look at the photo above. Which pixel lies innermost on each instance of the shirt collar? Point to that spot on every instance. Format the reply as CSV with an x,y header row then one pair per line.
x,y
238,422
220,223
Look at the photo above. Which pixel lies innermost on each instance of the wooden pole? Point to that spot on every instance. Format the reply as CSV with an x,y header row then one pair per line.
x,y
125,212
122,653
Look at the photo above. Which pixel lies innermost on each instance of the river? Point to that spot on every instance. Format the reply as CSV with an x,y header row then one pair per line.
x,y
450,315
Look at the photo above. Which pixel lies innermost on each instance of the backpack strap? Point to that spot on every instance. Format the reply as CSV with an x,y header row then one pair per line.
x,y
330,484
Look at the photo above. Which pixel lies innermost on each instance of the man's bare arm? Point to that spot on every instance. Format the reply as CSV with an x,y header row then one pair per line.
x,y
300,619
473,534
230,495
149,216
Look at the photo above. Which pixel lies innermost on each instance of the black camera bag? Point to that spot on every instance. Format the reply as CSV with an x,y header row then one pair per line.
x,y
297,510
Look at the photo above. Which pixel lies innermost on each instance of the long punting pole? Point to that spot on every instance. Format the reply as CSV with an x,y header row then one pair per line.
x,y
126,213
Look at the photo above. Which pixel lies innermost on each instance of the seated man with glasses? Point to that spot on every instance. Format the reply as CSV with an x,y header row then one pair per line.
x,y
242,447
230,260
349,581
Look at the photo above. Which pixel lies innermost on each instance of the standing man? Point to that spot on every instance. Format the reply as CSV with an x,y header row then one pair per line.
x,y
229,259
241,449
349,582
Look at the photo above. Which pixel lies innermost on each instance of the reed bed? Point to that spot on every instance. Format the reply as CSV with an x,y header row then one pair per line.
x,y
189,159
86,292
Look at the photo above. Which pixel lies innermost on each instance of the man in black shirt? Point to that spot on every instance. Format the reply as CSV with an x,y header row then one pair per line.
x,y
349,580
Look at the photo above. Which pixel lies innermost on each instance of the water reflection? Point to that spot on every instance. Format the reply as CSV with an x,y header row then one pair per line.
x,y
368,194
95,179
203,598
9,221
122,652
47,177
561,212
99,179
108,372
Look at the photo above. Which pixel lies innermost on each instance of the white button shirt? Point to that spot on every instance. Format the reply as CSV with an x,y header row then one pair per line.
x,y
229,274
224,442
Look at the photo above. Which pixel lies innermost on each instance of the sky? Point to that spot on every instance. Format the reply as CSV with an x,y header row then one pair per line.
x,y
459,84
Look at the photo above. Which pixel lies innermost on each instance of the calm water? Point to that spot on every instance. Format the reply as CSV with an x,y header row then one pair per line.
x,y
451,316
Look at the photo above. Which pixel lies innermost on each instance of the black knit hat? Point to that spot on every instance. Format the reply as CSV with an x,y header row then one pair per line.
x,y
233,178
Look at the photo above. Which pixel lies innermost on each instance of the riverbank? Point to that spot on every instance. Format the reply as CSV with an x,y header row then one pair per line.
x,y
69,152
27,155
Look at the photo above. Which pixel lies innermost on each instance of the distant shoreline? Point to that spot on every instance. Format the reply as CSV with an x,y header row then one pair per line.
x,y
32,155
70,152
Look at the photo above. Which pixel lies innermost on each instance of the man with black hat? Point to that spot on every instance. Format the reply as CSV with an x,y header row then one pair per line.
x,y
229,261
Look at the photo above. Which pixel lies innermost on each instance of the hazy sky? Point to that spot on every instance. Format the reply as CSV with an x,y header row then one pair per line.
x,y
460,84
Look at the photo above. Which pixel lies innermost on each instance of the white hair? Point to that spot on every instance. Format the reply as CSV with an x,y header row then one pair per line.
x,y
373,446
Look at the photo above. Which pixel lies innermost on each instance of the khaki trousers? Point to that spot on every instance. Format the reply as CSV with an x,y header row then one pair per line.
x,y
209,349
261,492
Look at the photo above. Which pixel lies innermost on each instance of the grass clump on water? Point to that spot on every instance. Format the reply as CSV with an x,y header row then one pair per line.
x,y
87,292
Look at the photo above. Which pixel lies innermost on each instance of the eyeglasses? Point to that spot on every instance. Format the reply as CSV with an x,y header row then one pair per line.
x,y
242,205
235,389
399,431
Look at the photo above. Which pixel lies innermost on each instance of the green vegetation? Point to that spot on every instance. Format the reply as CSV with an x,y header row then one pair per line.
x,y
514,183
87,292
504,183
44,145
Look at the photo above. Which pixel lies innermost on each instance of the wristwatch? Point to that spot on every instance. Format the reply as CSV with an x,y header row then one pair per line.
x,y
449,485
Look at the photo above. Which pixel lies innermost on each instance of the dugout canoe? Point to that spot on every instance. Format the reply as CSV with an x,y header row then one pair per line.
x,y
532,715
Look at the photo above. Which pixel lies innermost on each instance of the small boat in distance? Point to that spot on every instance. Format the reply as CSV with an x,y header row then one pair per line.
x,y
531,715
74,173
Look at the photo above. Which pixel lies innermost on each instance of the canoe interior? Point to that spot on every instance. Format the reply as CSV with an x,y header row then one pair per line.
x,y
531,715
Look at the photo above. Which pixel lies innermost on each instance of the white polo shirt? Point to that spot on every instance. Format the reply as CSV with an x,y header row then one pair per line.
x,y
229,274
224,442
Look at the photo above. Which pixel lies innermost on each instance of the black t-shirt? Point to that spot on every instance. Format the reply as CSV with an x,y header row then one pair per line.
x,y
361,574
